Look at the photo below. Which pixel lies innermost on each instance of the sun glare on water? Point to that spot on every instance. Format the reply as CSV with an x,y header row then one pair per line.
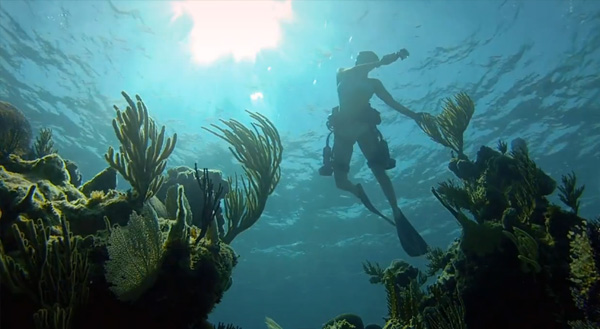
x,y
237,28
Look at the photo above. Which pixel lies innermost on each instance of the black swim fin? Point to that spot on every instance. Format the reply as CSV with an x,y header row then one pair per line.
x,y
412,242
365,200
410,239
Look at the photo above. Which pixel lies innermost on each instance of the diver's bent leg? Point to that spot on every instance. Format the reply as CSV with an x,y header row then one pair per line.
x,y
371,146
343,183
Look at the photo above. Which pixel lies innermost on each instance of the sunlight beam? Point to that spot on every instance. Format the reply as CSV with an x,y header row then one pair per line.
x,y
237,28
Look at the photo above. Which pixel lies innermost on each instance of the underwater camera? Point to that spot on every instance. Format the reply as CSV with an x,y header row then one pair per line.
x,y
327,167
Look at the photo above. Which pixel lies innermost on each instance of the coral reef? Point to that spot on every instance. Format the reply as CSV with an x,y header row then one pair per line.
x,y
91,256
76,177
42,188
53,275
186,177
226,326
34,188
437,260
345,321
135,255
169,272
584,271
211,204
513,248
409,306
104,181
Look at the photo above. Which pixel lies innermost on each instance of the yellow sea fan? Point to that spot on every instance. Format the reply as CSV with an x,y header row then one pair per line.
x,y
136,253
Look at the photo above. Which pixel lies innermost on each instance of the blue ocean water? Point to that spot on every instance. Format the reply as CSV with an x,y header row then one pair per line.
x,y
532,68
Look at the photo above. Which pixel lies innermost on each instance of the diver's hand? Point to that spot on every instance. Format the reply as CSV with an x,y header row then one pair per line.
x,y
403,53
390,58
418,116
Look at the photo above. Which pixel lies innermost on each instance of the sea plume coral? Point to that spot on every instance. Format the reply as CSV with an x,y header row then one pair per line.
x,y
143,153
448,127
570,193
44,144
259,150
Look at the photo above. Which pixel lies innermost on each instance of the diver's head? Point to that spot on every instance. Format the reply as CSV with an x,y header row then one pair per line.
x,y
365,57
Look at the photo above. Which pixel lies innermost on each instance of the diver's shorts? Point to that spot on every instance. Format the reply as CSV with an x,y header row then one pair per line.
x,y
371,144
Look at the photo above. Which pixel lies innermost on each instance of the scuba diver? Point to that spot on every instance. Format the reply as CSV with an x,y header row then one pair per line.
x,y
354,120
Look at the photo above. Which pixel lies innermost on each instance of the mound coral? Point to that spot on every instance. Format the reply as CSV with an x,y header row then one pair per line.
x,y
186,177
15,131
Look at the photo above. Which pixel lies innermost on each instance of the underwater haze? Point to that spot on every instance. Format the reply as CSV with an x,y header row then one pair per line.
x,y
531,67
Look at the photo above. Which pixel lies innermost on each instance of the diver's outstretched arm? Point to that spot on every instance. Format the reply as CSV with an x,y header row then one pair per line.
x,y
385,60
387,98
